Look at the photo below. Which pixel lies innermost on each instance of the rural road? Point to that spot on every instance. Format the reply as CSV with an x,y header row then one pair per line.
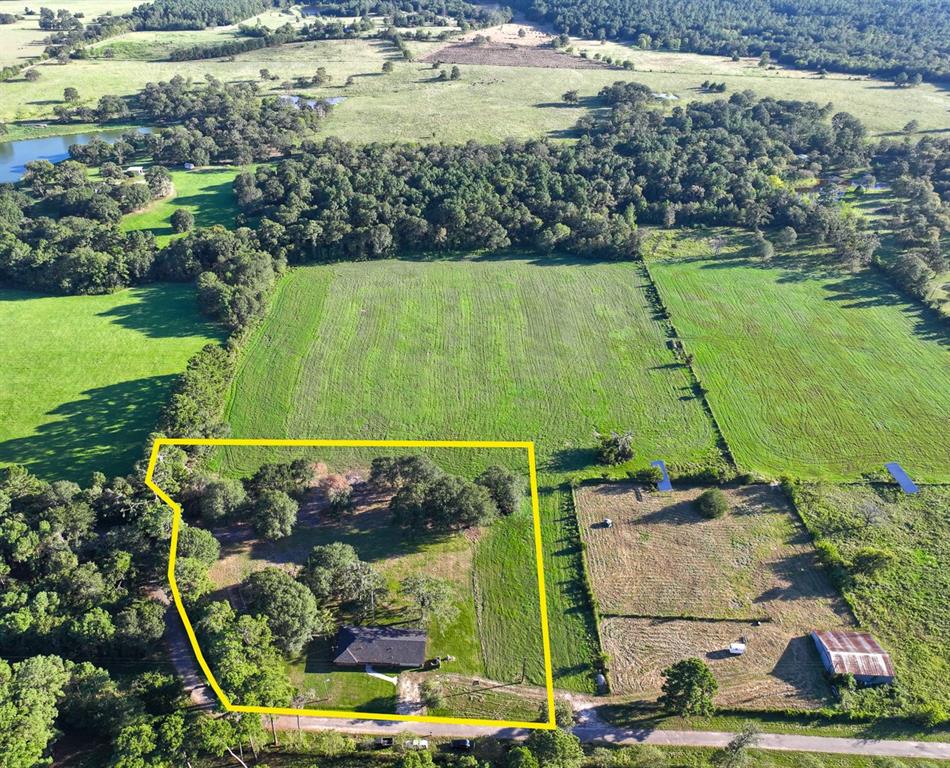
x,y
605,734
588,729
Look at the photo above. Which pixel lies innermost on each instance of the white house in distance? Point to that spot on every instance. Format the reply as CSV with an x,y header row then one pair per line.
x,y
854,653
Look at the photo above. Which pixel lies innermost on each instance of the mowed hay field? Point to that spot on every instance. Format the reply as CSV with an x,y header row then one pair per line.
x,y
670,584
487,349
812,374
84,377
904,603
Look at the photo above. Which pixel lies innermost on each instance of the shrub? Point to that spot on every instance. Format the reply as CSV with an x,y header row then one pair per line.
x,y
712,503
646,476
182,220
615,448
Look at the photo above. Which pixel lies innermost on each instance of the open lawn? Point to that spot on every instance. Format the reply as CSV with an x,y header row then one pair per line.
x,y
905,603
670,584
546,349
84,377
206,192
810,372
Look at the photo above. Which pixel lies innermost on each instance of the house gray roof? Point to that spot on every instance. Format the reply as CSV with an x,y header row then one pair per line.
x,y
854,653
384,646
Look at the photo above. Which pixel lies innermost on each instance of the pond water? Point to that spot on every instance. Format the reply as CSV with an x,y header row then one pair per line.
x,y
14,155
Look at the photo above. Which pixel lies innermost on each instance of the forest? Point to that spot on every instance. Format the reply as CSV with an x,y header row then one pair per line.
x,y
199,14
882,37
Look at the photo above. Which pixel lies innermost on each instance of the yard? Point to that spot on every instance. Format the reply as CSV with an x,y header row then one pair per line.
x,y
473,639
811,371
671,584
84,377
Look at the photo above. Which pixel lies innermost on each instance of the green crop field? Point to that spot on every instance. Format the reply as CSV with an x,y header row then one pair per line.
x,y
904,603
84,377
478,348
206,192
813,374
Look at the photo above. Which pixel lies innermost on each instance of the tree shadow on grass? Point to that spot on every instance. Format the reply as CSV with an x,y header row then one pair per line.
x,y
103,431
163,311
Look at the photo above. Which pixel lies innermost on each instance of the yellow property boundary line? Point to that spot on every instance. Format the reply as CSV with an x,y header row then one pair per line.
x,y
189,629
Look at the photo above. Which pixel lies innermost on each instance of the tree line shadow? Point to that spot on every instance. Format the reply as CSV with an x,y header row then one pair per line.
x,y
104,430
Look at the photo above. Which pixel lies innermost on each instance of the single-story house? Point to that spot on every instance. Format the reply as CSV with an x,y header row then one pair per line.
x,y
854,653
380,646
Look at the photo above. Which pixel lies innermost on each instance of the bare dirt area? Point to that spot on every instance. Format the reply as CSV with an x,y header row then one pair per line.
x,y
671,584
509,55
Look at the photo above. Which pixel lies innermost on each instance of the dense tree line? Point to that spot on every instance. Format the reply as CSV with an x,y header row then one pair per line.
x,y
919,175
280,36
883,37
417,13
82,250
199,14
705,163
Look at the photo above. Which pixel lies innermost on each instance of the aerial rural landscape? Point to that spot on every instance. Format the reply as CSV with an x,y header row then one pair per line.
x,y
409,383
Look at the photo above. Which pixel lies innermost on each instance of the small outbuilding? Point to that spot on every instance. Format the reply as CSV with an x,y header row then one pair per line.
x,y
135,170
854,653
381,646
189,166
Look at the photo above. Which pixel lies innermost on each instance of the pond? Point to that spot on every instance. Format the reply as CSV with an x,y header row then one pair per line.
x,y
14,155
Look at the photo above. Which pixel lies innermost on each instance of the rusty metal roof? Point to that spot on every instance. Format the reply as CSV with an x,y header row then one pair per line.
x,y
855,653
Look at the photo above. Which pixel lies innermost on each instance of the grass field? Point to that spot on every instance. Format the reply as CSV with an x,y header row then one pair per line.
x,y
751,574
905,603
817,374
519,348
84,377
24,38
489,103
206,192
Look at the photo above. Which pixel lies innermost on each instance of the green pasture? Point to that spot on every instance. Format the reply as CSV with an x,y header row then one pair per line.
x,y
489,103
518,348
811,371
24,39
206,192
84,377
904,603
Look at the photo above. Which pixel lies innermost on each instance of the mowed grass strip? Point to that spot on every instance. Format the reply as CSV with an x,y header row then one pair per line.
x,y
484,349
815,375
84,377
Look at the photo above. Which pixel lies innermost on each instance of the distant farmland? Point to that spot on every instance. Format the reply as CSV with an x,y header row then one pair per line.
x,y
520,348
84,377
811,375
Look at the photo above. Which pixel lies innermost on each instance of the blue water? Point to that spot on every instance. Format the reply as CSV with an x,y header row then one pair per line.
x,y
14,155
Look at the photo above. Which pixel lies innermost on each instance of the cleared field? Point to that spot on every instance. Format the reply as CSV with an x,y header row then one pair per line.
x,y
24,38
815,374
479,348
206,192
905,603
488,103
671,584
84,377
882,106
